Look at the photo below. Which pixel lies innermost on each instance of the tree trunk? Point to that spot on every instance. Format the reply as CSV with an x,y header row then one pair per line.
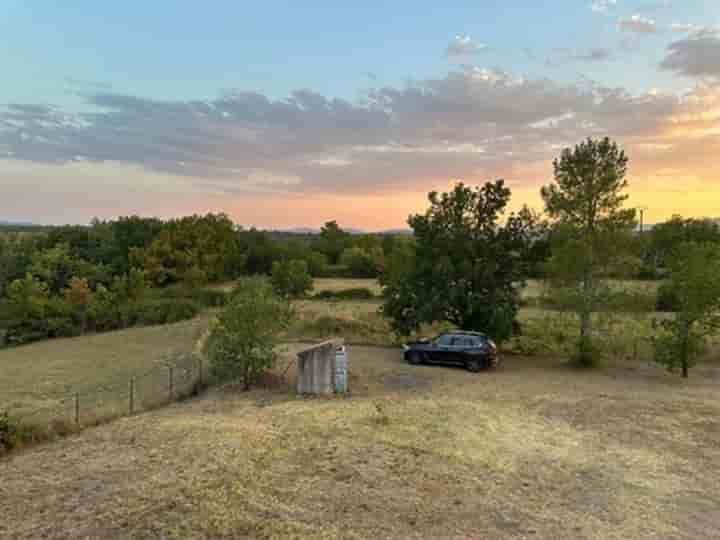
x,y
585,356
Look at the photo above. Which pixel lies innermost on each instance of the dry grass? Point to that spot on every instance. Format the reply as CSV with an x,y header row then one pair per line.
x,y
340,284
532,451
43,376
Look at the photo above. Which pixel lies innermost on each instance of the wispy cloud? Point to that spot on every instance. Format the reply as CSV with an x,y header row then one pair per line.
x,y
602,6
638,24
463,46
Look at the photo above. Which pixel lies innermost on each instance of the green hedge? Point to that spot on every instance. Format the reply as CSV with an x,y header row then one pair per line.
x,y
357,293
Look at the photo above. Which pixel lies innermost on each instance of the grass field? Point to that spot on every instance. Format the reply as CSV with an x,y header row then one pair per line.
x,y
43,376
535,450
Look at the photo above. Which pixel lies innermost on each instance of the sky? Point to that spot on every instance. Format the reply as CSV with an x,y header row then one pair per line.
x,y
290,114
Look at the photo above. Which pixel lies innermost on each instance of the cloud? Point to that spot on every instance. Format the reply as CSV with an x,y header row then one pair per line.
x,y
694,57
695,30
463,46
472,123
638,24
602,6
566,56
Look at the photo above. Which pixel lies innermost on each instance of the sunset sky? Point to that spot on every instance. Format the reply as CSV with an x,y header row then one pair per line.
x,y
289,114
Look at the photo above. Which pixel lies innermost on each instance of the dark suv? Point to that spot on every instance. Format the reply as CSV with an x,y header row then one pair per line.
x,y
473,350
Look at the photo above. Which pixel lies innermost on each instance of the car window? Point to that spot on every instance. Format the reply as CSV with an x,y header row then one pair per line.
x,y
445,340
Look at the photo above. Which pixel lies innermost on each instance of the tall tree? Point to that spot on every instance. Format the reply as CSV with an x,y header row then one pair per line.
x,y
695,282
333,240
585,202
464,266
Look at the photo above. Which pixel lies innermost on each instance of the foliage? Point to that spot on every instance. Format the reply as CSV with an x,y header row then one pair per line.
x,y
585,203
694,283
356,293
9,432
665,238
242,342
464,267
333,241
291,278
362,263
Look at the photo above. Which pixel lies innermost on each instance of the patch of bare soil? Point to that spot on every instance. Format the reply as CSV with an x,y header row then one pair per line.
x,y
535,450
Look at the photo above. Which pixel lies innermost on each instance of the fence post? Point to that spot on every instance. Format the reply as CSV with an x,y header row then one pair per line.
x,y
77,408
132,395
200,370
170,382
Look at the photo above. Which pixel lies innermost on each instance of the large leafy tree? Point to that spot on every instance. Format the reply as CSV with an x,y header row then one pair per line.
x,y
585,203
464,267
695,282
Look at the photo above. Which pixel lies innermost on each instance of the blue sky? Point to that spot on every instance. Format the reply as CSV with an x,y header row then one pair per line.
x,y
65,55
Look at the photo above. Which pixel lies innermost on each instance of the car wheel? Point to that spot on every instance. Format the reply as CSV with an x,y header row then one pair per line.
x,y
414,358
473,365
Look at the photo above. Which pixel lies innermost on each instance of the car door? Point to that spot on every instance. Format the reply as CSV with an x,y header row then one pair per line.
x,y
462,346
442,350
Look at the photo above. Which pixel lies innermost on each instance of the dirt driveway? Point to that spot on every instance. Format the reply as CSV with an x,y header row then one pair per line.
x,y
535,450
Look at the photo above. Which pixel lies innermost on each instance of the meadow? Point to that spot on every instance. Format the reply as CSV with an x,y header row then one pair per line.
x,y
534,450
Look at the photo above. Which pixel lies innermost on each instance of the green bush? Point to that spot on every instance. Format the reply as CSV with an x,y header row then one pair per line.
x,y
242,342
357,293
9,432
291,278
164,311
667,298
334,271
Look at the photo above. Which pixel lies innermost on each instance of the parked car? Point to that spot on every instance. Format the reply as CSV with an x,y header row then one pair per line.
x,y
473,350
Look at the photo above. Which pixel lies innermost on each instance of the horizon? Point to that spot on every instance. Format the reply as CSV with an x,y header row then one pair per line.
x,y
287,116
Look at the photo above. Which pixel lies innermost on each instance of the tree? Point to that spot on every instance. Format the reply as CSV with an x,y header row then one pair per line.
x,y
464,267
79,296
362,263
585,203
333,241
291,279
695,284
242,342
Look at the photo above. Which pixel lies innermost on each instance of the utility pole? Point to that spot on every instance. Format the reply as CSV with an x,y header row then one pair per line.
x,y
642,217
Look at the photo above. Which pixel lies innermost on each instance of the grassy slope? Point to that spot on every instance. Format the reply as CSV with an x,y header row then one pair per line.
x,y
40,375
532,451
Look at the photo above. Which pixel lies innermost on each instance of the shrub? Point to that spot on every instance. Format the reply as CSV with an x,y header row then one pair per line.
x,y
9,432
667,298
150,312
356,293
291,278
242,341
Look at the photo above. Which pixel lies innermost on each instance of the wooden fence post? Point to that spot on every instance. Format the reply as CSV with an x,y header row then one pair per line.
x,y
132,395
200,370
77,408
170,382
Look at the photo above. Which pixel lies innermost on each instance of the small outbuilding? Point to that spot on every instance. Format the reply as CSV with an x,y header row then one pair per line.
x,y
322,368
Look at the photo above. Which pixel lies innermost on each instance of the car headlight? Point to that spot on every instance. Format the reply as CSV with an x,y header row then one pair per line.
x,y
492,344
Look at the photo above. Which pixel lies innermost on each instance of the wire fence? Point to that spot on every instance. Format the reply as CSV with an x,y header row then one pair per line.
x,y
167,381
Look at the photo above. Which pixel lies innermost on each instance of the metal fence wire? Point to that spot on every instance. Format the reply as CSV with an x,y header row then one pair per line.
x,y
167,381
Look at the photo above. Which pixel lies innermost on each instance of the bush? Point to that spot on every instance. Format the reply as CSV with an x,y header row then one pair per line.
x,y
667,298
158,311
9,432
334,271
242,341
202,297
291,278
357,293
